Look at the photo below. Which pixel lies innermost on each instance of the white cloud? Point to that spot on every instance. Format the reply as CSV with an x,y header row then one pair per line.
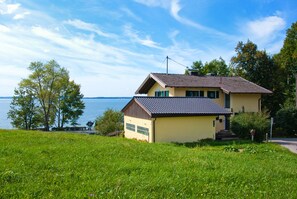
x,y
88,27
4,28
21,15
155,3
134,36
265,27
129,13
90,62
8,8
174,7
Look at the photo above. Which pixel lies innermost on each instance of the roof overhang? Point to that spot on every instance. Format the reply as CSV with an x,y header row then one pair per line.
x,y
148,83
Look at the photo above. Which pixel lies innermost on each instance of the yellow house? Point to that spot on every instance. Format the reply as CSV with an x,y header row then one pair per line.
x,y
235,94
171,119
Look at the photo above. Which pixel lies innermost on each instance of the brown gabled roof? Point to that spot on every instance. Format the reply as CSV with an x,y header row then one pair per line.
x,y
177,106
227,84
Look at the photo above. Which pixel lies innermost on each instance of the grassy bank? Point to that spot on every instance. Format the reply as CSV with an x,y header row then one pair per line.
x,y
60,165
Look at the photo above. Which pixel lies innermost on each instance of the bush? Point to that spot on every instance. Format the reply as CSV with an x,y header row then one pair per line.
x,y
242,124
286,121
110,121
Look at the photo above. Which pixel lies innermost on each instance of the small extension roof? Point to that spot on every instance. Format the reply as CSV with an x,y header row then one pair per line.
x,y
177,106
227,84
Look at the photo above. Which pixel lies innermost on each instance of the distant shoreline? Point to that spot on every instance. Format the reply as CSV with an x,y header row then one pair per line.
x,y
87,97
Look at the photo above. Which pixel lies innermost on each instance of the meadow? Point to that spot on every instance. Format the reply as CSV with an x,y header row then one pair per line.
x,y
63,165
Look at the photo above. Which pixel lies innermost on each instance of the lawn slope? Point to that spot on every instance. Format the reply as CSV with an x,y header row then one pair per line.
x,y
60,165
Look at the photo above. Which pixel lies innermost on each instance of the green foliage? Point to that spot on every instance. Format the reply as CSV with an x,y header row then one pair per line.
x,y
287,59
286,120
217,67
70,105
258,67
58,97
243,123
110,121
24,111
63,165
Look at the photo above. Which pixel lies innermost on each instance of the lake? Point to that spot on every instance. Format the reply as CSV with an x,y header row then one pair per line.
x,y
94,108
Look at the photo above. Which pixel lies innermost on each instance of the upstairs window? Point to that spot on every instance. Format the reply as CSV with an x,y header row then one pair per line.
x,y
161,93
213,94
194,93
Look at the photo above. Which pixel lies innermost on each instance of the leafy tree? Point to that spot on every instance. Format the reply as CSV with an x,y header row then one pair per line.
x,y
197,67
49,85
286,120
245,60
257,66
69,105
287,58
110,121
214,67
24,112
217,67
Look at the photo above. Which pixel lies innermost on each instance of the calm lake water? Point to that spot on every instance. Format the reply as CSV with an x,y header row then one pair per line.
x,y
93,109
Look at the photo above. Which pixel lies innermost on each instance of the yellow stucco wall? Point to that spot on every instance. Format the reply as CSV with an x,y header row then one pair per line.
x,y
250,102
184,129
157,87
220,123
137,122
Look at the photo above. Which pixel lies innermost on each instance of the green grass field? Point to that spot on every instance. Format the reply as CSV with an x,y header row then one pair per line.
x,y
60,165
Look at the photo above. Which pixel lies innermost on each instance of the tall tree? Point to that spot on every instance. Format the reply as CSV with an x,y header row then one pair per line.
x,y
214,67
24,111
287,59
244,62
257,66
70,105
197,66
217,67
50,86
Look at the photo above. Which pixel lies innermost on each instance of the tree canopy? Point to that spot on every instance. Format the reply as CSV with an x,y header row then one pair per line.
x,y
216,67
53,97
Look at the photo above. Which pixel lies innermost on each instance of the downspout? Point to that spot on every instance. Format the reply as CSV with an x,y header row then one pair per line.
x,y
259,105
153,128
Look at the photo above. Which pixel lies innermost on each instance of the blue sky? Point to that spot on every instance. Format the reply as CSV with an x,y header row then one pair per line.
x,y
109,47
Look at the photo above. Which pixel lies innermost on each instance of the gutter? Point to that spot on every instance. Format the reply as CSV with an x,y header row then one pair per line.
x,y
153,127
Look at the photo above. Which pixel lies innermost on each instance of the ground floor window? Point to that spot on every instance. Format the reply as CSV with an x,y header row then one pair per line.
x,y
130,127
161,93
142,130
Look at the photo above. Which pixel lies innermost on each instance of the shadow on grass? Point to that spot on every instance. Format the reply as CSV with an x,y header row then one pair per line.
x,y
210,142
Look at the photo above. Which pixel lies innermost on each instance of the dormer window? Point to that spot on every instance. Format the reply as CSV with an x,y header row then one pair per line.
x,y
194,93
161,93
213,94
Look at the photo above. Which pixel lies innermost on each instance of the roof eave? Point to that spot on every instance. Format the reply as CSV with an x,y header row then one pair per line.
x,y
155,115
146,85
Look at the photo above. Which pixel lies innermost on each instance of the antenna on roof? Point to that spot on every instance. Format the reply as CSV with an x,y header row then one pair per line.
x,y
167,64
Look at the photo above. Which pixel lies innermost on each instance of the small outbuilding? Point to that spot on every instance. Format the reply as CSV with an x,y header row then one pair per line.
x,y
171,119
